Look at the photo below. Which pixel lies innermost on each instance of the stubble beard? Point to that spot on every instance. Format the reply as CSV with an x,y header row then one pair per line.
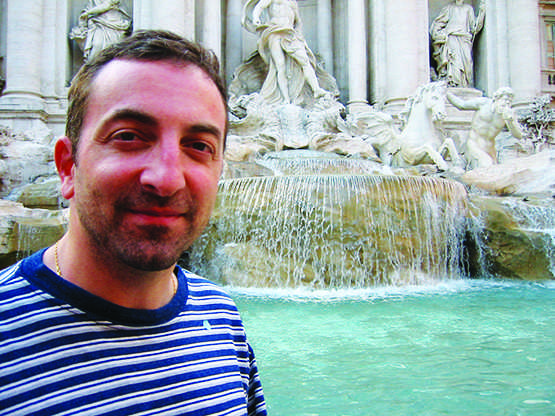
x,y
144,247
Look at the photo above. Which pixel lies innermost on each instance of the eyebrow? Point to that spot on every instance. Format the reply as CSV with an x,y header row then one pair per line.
x,y
145,118
129,114
206,128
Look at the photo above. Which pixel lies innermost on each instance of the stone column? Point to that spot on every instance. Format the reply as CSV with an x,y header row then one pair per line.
x,y
524,49
233,39
407,51
325,41
23,55
212,26
357,53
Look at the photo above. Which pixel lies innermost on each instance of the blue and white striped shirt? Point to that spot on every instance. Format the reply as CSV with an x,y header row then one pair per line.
x,y
64,351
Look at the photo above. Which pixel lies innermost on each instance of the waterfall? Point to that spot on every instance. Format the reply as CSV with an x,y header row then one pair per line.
x,y
332,231
33,233
540,219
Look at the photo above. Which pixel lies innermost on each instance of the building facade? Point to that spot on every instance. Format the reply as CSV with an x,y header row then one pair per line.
x,y
379,51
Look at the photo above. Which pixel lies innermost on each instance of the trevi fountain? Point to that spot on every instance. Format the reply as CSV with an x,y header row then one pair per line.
x,y
368,233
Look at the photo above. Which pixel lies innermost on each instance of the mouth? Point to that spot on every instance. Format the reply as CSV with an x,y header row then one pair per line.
x,y
156,216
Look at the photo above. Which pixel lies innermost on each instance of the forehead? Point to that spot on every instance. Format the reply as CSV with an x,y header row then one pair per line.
x,y
163,87
122,72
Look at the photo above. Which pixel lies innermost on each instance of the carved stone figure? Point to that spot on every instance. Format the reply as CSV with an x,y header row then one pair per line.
x,y
283,69
491,116
422,140
330,132
453,32
257,127
101,23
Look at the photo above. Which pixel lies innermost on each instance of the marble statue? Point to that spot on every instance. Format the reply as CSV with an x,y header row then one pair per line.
x,y
101,23
453,32
330,131
491,116
421,140
257,127
283,69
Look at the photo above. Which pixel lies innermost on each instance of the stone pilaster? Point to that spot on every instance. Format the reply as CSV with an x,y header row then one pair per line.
x,y
406,50
524,49
212,26
22,104
357,54
175,15
325,43
24,52
233,39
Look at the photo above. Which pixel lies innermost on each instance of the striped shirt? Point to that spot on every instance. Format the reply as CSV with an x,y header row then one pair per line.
x,y
64,351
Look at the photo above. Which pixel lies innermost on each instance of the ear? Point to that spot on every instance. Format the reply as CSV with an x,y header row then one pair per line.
x,y
63,156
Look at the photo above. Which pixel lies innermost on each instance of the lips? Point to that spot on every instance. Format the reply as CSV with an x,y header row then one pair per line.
x,y
156,216
158,212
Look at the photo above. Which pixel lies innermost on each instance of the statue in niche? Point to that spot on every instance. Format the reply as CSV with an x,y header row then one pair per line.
x,y
283,69
453,32
491,116
101,23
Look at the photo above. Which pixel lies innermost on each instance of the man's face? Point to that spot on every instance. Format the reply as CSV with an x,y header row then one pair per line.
x,y
503,104
149,159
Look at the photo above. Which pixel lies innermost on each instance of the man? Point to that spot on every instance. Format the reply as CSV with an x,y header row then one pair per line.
x,y
104,322
491,116
283,48
453,32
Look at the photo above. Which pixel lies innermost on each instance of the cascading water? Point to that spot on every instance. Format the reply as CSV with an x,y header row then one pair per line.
x,y
540,219
33,233
331,230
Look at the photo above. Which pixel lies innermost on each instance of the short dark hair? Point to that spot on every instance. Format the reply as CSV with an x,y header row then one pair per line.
x,y
143,45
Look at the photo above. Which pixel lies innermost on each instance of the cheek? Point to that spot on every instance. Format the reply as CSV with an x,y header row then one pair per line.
x,y
203,185
103,178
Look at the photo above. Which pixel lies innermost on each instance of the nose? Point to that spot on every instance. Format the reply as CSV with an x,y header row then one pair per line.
x,y
163,172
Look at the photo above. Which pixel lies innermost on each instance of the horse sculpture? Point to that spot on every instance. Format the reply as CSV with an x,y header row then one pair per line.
x,y
421,140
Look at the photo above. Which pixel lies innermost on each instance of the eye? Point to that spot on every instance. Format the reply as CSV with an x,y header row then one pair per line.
x,y
125,136
128,139
201,147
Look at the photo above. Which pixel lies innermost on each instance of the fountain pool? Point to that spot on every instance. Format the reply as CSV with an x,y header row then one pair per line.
x,y
477,347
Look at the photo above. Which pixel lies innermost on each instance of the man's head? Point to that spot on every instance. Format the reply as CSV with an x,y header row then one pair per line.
x,y
503,92
503,99
149,116
147,45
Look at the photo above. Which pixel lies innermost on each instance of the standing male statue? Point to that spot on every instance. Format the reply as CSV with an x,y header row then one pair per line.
x,y
453,32
491,116
282,47
101,23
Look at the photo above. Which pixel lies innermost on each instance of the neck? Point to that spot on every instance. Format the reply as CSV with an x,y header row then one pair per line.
x,y
116,283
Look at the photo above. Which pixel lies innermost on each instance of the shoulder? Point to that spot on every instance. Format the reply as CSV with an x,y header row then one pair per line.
x,y
202,290
7,274
201,285
12,284
468,8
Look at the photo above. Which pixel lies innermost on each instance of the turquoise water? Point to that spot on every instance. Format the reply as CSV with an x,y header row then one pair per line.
x,y
459,348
